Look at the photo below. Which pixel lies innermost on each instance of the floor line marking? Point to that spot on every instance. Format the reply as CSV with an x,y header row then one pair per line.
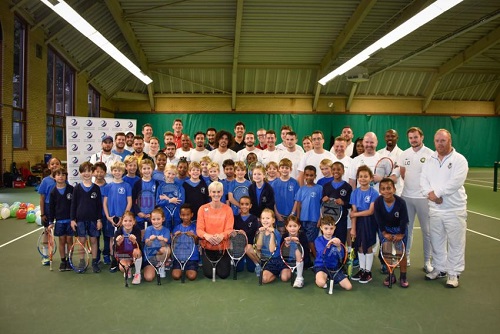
x,y
22,236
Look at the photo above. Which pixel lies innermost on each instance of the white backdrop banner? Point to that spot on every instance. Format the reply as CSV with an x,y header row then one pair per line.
x,y
83,138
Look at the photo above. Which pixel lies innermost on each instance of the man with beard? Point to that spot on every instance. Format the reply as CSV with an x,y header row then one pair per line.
x,y
199,150
411,162
139,151
314,157
442,181
119,149
185,150
106,156
392,151
170,150
292,153
250,147
239,137
223,140
282,146
210,133
147,133
348,135
129,141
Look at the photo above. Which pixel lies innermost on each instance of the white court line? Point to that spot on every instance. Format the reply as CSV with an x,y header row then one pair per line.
x,y
477,180
479,185
482,214
22,236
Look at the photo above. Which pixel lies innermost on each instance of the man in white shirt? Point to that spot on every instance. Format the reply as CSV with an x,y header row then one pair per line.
x,y
369,158
392,151
106,156
129,141
442,181
411,162
314,157
282,146
199,150
339,147
223,140
270,153
120,146
348,135
185,150
147,133
292,153
249,147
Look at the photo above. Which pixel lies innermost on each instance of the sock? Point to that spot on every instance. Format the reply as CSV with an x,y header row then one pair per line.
x,y
402,276
45,250
369,261
300,269
362,261
138,265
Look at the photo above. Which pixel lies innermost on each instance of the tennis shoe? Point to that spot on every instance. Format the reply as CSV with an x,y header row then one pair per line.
x,y
137,279
45,262
435,274
161,271
357,276
366,277
452,281
95,267
258,270
299,282
107,260
428,267
386,281
403,282
62,266
355,263
68,266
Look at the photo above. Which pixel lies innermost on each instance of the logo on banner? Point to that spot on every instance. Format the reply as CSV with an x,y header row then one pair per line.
x,y
130,125
74,147
117,124
74,122
103,134
74,172
74,160
89,122
103,123
90,148
74,134
89,135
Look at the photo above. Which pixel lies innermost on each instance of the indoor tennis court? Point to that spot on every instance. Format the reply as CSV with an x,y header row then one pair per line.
x,y
37,300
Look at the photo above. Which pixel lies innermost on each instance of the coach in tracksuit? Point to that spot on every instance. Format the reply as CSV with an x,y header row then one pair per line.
x,y
442,181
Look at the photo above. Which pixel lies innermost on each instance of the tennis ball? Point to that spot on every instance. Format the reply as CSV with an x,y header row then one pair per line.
x,y
5,213
31,217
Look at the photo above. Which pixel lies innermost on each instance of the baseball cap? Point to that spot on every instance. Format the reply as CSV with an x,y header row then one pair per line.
x,y
130,133
106,138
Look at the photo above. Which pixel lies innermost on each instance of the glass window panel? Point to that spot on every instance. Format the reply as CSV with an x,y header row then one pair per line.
x,y
50,137
59,137
59,121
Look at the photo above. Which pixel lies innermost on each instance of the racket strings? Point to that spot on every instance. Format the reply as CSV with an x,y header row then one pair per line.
x,y
384,167
237,245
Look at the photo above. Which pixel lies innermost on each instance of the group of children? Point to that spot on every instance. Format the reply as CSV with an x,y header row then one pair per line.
x,y
275,205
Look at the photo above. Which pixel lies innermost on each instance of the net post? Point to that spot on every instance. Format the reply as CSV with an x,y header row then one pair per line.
x,y
495,176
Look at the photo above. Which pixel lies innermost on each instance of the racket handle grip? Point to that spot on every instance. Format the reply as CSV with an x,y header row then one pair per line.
x,y
213,274
330,289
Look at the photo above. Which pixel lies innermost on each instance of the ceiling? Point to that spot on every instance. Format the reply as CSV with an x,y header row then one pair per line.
x,y
235,48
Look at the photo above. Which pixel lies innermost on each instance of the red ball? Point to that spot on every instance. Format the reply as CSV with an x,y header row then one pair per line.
x,y
23,206
21,214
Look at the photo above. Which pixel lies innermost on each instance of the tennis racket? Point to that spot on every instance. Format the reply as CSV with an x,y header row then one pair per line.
x,y
43,245
239,192
171,191
236,250
265,247
350,258
183,247
79,255
124,255
214,255
334,258
330,208
146,202
250,168
51,245
384,167
291,253
156,255
392,253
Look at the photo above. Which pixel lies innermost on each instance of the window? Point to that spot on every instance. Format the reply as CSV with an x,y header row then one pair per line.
x,y
94,103
60,99
19,100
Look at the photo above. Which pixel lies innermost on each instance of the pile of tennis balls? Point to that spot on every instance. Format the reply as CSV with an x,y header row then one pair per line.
x,y
27,211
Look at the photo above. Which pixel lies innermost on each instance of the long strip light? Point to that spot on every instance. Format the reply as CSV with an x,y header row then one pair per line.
x,y
80,24
424,16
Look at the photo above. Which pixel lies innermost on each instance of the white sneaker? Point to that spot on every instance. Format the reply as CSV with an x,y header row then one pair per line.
x,y
137,279
428,268
299,282
452,281
435,274
162,272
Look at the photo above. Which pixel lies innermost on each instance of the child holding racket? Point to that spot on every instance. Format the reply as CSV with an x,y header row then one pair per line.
x,y
285,188
156,237
294,234
59,215
245,221
364,226
144,194
339,190
307,206
48,183
391,216
327,239
167,201
260,192
130,235
189,228
196,190
117,198
325,166
240,184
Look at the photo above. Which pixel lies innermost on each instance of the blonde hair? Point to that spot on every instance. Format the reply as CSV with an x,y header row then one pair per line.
x,y
213,164
171,167
286,162
272,164
326,162
130,159
194,164
206,159
118,165
240,165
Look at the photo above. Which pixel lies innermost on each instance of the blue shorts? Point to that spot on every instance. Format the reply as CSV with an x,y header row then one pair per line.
x,y
337,279
190,265
87,228
275,266
142,225
311,229
108,230
394,230
63,228
280,223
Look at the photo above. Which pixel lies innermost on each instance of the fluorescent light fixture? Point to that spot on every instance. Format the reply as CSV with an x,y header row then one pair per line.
x,y
424,16
80,24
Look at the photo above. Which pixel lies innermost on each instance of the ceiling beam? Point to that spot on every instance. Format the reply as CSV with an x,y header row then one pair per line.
x,y
460,59
127,31
354,88
345,35
236,52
